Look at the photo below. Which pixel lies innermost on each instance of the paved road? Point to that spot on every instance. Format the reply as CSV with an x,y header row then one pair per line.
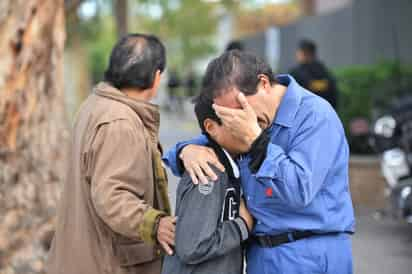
x,y
380,246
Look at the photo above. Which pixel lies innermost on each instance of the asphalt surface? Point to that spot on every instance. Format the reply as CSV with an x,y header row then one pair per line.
x,y
381,245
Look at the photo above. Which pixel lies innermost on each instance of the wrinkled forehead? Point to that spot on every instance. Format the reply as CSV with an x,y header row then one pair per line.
x,y
228,99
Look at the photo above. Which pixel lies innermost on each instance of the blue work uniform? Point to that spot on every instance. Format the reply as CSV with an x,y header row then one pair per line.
x,y
302,184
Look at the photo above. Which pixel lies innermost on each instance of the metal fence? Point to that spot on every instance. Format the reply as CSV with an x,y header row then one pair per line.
x,y
365,32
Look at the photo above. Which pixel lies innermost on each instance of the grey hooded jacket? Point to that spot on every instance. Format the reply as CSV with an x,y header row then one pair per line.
x,y
209,231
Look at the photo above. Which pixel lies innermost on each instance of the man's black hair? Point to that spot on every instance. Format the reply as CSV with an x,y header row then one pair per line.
x,y
308,47
134,61
234,69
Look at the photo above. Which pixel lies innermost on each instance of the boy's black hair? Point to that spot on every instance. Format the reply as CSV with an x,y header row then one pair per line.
x,y
134,61
203,111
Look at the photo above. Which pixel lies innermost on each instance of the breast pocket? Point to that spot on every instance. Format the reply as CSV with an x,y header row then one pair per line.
x,y
265,194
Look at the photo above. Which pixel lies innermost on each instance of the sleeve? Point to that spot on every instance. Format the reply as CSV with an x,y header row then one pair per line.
x,y
119,172
171,157
297,176
200,234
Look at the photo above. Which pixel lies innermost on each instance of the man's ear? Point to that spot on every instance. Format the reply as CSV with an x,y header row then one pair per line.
x,y
264,82
156,80
156,83
210,127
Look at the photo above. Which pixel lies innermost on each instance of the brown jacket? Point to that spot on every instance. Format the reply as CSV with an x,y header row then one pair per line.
x,y
115,191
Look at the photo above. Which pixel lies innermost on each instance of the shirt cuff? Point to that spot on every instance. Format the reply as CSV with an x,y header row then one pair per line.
x,y
243,229
179,163
148,225
270,166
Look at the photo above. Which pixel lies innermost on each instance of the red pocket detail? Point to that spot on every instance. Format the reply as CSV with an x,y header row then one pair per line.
x,y
269,192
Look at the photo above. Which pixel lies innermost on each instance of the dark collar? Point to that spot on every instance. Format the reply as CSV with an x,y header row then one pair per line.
x,y
221,156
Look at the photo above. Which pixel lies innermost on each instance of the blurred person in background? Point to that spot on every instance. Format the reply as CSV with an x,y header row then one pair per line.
x,y
312,74
235,44
191,84
174,86
113,216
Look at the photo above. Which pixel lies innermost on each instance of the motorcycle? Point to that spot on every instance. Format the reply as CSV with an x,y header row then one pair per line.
x,y
392,138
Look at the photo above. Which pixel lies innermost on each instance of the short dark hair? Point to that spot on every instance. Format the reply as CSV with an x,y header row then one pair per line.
x,y
204,110
234,68
134,61
235,44
308,47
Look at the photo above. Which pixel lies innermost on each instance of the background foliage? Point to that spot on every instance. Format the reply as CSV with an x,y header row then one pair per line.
x,y
366,91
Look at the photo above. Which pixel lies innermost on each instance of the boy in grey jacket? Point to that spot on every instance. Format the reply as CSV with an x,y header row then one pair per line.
x,y
212,220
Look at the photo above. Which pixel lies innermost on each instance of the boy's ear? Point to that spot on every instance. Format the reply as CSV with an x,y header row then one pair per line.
x,y
210,127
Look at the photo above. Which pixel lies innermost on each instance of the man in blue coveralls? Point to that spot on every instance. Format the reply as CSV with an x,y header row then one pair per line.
x,y
294,169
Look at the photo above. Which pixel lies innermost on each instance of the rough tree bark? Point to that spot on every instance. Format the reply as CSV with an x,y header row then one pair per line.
x,y
33,133
121,17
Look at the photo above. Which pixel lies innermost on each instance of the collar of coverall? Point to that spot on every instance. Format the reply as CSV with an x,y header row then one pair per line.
x,y
290,102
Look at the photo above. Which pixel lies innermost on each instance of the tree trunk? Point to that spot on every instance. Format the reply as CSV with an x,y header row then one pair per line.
x,y
33,133
121,16
309,7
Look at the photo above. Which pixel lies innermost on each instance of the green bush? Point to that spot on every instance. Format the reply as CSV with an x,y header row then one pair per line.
x,y
366,91
367,88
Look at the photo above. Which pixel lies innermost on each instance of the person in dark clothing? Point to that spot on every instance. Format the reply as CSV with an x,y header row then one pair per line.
x,y
174,85
313,75
191,84
235,45
212,220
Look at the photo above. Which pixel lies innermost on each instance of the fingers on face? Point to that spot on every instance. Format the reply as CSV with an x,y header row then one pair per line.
x,y
223,110
234,117
242,100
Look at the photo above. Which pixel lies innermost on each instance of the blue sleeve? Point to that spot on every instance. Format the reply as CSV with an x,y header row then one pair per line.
x,y
296,176
171,159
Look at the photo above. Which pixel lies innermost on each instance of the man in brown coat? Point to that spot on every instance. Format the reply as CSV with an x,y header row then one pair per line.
x,y
113,215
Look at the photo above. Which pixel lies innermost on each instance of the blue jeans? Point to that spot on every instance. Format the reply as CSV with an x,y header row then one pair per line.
x,y
328,254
